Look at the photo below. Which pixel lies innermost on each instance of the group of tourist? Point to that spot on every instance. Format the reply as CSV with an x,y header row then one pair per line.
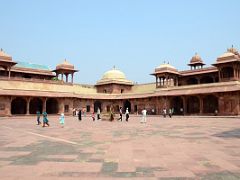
x,y
121,114
170,112
79,114
45,119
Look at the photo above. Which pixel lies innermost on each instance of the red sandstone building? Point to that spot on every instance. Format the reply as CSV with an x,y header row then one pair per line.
x,y
26,88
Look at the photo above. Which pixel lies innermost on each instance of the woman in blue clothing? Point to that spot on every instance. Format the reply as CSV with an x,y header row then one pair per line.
x,y
45,119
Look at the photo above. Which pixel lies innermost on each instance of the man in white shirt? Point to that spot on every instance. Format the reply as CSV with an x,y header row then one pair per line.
x,y
144,116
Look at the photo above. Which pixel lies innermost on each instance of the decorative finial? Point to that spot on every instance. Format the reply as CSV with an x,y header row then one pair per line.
x,y
65,59
195,53
114,67
232,45
1,49
163,62
168,62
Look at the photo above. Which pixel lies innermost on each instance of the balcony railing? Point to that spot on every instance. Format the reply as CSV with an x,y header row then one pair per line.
x,y
34,80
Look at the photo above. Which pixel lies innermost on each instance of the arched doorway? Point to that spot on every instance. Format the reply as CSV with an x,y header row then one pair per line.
x,y
192,81
177,104
193,105
127,104
97,104
35,105
19,106
210,104
52,106
206,79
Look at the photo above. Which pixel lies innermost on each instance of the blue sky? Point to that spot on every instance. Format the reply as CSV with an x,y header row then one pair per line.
x,y
134,35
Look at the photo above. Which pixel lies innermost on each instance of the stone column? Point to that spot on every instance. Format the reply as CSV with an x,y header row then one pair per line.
x,y
184,105
201,104
9,72
44,107
221,105
28,104
61,106
66,77
219,75
72,78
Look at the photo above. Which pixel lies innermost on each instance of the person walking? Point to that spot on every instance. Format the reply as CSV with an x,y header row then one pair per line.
x,y
80,115
111,114
93,116
98,114
127,114
170,112
120,113
62,120
45,119
164,112
144,116
38,117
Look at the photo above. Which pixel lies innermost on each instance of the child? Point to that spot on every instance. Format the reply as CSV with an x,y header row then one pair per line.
x,y
62,119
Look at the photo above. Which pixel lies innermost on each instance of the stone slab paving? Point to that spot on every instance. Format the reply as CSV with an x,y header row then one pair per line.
x,y
163,148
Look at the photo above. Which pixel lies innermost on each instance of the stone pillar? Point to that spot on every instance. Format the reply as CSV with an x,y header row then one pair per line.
x,y
72,78
201,104
8,106
28,104
66,77
219,75
9,72
184,105
61,106
221,105
62,76
44,108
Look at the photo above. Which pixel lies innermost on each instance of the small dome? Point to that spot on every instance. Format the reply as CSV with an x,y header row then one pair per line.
x,y
226,54
233,50
114,74
166,68
5,56
65,65
196,59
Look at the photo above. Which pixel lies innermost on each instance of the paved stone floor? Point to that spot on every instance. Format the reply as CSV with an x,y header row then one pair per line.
x,y
176,148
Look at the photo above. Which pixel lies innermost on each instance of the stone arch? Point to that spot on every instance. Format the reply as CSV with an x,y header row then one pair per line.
x,y
177,104
192,81
193,105
127,104
206,79
36,104
97,104
19,106
52,106
210,104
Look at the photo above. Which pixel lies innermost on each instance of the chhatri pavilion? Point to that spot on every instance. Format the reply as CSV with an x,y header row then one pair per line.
x,y
26,88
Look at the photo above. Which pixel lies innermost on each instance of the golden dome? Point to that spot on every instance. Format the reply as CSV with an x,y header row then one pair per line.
x,y
114,76
65,65
5,56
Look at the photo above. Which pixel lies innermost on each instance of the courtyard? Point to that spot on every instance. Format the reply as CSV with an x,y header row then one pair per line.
x,y
163,148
